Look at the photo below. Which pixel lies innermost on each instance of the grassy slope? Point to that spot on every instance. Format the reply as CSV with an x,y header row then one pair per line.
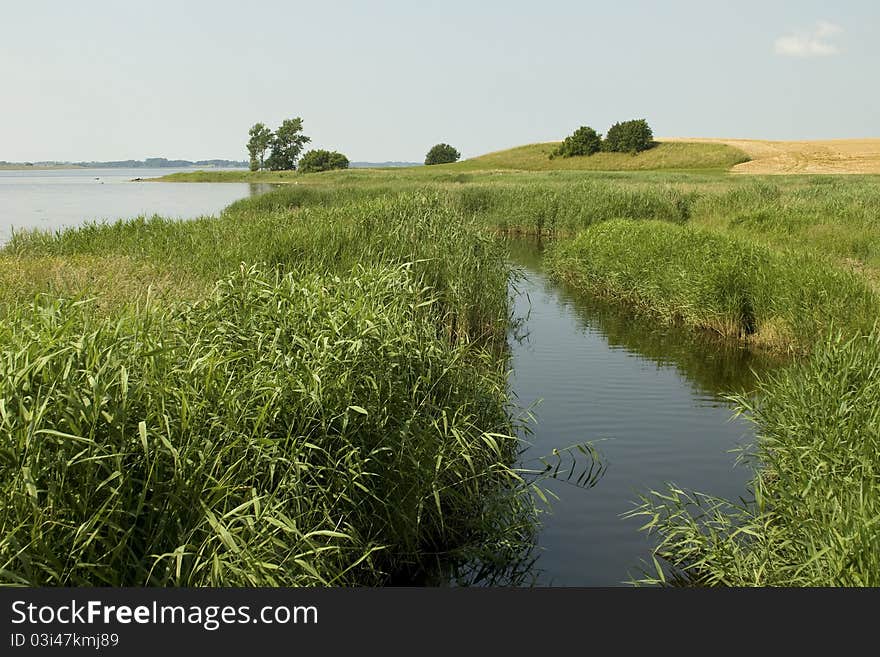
x,y
683,156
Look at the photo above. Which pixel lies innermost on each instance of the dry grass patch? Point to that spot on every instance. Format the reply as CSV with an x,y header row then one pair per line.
x,y
113,280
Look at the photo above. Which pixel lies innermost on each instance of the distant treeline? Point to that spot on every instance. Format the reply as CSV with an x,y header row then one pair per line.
x,y
148,163
163,163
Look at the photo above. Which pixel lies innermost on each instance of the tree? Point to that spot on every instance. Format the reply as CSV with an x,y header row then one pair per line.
x,y
287,144
629,137
442,154
321,160
583,141
261,138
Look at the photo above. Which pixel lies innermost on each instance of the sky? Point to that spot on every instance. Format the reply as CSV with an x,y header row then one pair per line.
x,y
385,80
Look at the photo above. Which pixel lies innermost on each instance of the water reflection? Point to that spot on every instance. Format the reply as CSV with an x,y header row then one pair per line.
x,y
649,397
714,367
256,189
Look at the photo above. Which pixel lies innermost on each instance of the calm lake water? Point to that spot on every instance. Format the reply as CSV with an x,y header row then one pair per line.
x,y
52,199
649,397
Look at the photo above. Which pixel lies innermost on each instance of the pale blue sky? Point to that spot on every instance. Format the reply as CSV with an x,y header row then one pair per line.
x,y
95,79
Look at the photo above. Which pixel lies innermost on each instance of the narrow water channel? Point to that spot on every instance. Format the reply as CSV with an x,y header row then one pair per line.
x,y
649,397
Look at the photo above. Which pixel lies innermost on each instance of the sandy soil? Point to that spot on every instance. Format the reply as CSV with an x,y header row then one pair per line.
x,y
787,157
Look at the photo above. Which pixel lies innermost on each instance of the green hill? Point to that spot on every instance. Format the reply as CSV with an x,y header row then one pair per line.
x,y
665,155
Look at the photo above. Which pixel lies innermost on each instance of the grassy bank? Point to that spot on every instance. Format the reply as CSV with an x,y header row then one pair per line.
x,y
831,216
778,301
317,397
563,208
323,232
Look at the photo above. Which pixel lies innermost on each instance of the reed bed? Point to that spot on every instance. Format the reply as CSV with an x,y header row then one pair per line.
x,y
833,216
555,208
295,230
766,299
825,214
325,402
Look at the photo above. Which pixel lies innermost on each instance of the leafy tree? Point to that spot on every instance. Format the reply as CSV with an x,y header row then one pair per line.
x,y
287,144
583,141
258,144
321,160
629,137
442,154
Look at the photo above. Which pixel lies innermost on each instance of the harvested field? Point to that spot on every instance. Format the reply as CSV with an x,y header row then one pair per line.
x,y
857,156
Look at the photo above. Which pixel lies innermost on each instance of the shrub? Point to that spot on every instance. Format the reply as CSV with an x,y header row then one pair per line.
x,y
321,160
629,137
583,141
442,154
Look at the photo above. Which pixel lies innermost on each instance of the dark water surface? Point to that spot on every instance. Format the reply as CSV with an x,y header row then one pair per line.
x,y
650,397
52,199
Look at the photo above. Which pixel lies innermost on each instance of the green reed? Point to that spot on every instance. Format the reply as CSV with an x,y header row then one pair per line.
x,y
766,299
287,429
813,514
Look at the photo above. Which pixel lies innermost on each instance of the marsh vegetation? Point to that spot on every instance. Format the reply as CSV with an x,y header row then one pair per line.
x,y
311,388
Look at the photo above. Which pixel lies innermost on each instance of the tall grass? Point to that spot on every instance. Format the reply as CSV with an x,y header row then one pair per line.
x,y
830,215
565,208
290,230
323,402
287,429
836,217
766,299
814,517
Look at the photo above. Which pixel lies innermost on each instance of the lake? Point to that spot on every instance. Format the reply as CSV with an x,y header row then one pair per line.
x,y
55,198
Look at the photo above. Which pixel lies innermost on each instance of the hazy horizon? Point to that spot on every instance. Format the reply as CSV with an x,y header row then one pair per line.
x,y
103,81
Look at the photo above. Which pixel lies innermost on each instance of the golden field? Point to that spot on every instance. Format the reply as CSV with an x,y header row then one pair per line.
x,y
858,156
